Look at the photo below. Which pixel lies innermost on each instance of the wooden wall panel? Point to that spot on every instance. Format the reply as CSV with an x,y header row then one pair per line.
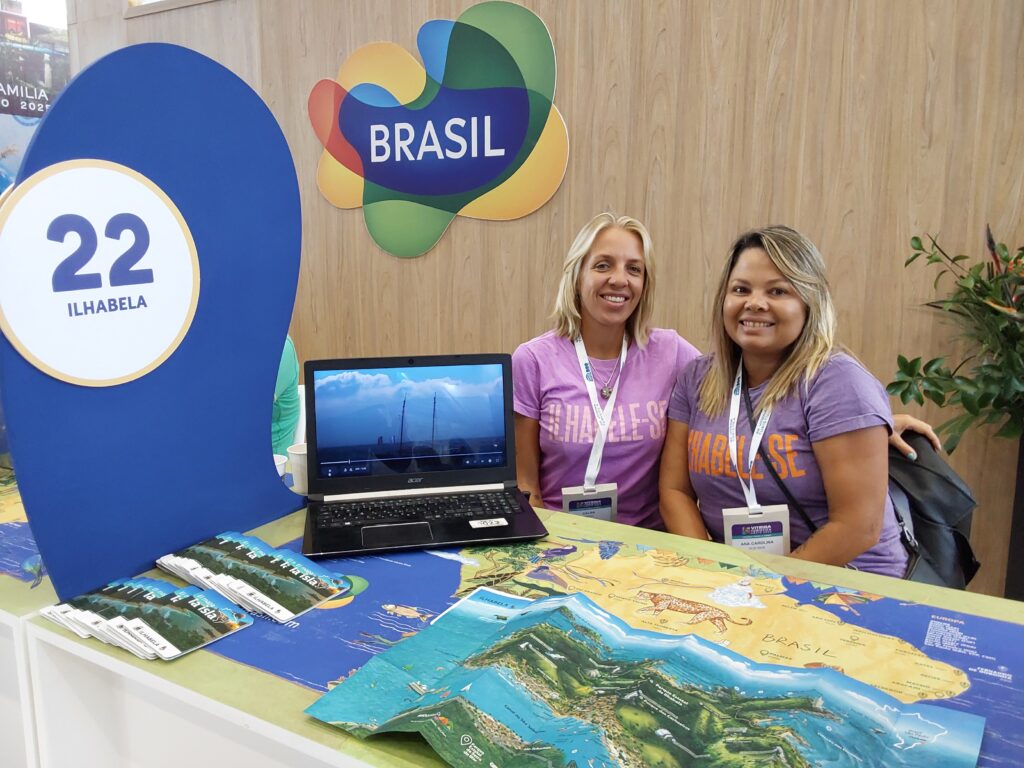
x,y
95,27
860,123
225,30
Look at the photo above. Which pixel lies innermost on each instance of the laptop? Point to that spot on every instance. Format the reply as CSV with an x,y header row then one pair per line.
x,y
412,452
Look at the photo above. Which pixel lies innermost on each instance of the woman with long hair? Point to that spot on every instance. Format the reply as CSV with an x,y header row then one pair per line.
x,y
777,390
572,432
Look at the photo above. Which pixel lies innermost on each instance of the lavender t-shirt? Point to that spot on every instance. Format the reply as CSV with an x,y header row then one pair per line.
x,y
547,385
841,397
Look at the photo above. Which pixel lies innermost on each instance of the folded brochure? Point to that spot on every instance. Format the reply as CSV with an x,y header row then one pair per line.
x,y
505,681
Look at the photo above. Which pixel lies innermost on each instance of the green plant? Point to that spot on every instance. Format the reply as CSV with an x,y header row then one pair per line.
x,y
987,302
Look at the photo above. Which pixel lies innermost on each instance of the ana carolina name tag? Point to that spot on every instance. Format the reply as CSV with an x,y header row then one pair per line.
x,y
600,503
758,529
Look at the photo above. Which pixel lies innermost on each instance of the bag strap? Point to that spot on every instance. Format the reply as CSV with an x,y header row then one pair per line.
x,y
793,503
901,506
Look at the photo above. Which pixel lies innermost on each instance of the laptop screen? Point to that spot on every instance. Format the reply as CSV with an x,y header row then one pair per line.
x,y
408,420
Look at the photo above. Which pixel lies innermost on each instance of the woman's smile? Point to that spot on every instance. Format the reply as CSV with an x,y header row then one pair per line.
x,y
762,312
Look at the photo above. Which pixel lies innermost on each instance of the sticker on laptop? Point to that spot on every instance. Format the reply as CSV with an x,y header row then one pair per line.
x,y
489,523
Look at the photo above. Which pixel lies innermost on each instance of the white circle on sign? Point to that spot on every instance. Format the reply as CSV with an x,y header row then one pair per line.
x,y
99,276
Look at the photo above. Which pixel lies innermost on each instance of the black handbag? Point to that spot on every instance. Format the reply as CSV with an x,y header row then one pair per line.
x,y
933,508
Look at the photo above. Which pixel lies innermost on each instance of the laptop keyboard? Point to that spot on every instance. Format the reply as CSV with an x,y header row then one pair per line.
x,y
456,506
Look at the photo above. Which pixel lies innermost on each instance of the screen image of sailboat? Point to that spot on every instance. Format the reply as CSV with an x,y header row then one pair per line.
x,y
408,455
409,421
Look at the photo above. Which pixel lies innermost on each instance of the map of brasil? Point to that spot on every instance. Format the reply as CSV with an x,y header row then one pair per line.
x,y
908,650
747,610
506,681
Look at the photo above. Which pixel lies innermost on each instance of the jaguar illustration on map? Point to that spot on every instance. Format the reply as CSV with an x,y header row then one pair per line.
x,y
558,681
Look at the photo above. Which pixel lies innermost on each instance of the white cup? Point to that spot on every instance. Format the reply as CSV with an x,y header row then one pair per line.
x,y
297,460
279,462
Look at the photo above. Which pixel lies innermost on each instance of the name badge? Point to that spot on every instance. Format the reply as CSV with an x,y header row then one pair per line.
x,y
758,529
600,503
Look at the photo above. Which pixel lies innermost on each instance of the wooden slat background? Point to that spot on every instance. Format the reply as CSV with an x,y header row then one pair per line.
x,y
859,122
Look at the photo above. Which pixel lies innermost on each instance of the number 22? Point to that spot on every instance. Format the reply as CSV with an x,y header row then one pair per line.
x,y
66,277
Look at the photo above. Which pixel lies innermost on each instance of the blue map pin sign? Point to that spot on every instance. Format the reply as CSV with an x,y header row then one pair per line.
x,y
113,477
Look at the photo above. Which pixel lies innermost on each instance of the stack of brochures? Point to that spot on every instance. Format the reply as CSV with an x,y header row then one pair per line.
x,y
277,583
149,617
156,619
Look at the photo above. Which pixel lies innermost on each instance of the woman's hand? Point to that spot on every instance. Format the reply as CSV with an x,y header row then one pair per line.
x,y
901,422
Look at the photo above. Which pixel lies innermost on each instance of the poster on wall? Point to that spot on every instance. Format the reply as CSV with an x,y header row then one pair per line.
x,y
469,129
34,68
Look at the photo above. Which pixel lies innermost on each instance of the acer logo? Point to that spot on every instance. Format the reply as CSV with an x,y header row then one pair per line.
x,y
415,479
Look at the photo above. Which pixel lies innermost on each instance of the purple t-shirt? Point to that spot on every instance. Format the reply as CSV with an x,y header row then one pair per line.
x,y
547,386
841,397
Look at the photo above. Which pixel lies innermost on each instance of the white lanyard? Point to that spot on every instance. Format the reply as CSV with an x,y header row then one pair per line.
x,y
755,438
602,416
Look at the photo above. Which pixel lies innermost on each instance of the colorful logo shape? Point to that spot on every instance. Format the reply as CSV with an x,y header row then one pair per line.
x,y
472,131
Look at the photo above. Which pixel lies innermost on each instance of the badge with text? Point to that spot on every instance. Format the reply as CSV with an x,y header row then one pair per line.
x,y
758,529
99,276
600,502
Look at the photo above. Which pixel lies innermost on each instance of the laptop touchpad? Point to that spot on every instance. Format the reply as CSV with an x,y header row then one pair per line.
x,y
397,535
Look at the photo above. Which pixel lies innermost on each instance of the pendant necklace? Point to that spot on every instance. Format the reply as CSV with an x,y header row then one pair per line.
x,y
606,390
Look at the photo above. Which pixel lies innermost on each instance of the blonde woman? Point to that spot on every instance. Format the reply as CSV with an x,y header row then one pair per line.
x,y
817,415
602,330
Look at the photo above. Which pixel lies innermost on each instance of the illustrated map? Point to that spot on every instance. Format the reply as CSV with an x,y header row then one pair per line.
x,y
912,652
506,681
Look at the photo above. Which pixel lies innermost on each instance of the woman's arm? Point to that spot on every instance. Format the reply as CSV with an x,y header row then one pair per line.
x,y
855,472
678,502
528,458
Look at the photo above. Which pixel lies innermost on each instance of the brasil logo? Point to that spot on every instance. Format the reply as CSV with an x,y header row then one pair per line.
x,y
472,131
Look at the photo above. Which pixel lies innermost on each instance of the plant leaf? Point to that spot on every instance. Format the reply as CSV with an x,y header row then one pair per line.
x,y
955,429
1012,429
969,402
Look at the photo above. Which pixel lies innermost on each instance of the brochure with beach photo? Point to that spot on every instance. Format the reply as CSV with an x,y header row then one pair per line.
x,y
149,617
125,609
279,584
95,613
290,564
186,620
213,565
